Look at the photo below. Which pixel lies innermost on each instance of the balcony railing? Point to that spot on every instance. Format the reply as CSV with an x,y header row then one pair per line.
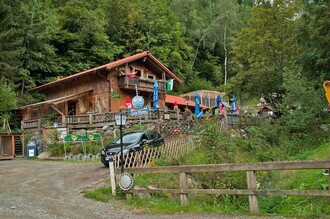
x,y
93,120
144,84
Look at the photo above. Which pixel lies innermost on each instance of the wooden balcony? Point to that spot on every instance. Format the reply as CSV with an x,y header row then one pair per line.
x,y
98,120
143,84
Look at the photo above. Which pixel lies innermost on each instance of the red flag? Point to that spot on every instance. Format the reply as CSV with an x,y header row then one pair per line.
x,y
175,104
128,103
132,74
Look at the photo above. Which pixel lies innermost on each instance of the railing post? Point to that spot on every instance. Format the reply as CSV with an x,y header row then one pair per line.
x,y
39,124
90,118
63,120
22,125
252,186
183,185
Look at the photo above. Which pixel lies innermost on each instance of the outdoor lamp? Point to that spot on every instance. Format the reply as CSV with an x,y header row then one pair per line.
x,y
121,120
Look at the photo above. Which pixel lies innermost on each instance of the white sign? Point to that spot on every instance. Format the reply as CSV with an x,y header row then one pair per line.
x,y
138,112
31,152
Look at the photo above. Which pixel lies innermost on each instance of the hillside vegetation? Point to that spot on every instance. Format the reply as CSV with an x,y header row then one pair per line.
x,y
246,48
255,144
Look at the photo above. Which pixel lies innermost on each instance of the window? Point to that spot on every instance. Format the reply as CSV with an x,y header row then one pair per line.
x,y
151,77
34,113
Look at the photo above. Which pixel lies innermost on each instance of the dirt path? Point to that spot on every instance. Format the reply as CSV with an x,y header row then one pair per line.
x,y
43,189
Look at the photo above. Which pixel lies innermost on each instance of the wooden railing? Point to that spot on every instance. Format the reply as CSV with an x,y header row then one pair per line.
x,y
98,120
141,83
250,168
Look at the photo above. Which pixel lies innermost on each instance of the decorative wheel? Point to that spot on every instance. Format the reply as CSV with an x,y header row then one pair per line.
x,y
126,181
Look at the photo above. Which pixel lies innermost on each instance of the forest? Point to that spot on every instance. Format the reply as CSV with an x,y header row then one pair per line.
x,y
247,48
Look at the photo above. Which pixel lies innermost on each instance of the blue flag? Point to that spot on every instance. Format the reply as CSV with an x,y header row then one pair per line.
x,y
155,97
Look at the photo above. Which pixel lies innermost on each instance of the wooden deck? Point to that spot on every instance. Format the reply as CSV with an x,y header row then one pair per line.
x,y
99,120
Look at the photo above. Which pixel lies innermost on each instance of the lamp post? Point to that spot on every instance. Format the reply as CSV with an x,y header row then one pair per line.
x,y
121,120
187,101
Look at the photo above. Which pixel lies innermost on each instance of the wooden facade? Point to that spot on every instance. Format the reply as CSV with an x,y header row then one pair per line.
x,y
102,89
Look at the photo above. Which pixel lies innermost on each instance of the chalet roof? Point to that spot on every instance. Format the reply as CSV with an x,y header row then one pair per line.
x,y
180,101
110,65
204,93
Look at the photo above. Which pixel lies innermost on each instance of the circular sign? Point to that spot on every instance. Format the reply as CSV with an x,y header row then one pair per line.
x,y
126,181
138,102
90,136
74,136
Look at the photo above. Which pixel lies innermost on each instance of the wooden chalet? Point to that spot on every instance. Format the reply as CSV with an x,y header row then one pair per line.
x,y
86,97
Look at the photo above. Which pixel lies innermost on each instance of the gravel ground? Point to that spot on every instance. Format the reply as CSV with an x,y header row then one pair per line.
x,y
52,189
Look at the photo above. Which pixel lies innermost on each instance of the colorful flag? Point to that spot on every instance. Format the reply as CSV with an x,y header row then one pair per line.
x,y
155,97
169,84
128,103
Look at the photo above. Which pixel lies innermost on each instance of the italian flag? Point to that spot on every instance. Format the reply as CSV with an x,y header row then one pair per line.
x,y
169,84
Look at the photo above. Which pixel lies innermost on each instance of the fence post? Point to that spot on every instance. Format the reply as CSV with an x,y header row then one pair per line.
x,y
112,176
252,186
183,185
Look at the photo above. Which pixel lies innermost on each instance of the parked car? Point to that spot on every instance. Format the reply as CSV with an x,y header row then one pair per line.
x,y
132,141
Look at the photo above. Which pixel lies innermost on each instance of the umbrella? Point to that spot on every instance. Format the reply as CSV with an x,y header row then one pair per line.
x,y
155,97
218,101
197,102
233,105
128,103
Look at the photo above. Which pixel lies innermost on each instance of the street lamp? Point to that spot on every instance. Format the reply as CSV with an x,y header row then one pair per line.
x,y
121,120
187,101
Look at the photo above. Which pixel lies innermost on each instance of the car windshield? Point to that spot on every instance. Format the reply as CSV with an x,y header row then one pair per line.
x,y
128,138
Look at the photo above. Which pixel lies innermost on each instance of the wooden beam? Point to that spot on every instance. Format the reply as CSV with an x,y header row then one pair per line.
x,y
285,165
57,110
324,193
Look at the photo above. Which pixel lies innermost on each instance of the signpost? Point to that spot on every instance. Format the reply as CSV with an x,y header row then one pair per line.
x,y
121,120
82,138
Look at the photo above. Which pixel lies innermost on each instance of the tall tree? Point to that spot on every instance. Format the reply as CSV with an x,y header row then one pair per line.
x,y
265,47
82,42
27,31
315,37
149,25
210,26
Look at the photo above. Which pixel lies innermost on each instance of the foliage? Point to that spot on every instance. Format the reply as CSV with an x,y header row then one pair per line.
x,y
196,84
82,42
265,47
315,37
8,98
102,194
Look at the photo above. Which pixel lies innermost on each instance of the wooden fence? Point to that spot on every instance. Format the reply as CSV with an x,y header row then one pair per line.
x,y
250,168
146,157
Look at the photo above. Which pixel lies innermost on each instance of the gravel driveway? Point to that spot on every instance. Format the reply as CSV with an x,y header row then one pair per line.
x,y
51,189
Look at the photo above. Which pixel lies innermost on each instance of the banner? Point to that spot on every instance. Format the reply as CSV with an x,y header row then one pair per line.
x,y
155,96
